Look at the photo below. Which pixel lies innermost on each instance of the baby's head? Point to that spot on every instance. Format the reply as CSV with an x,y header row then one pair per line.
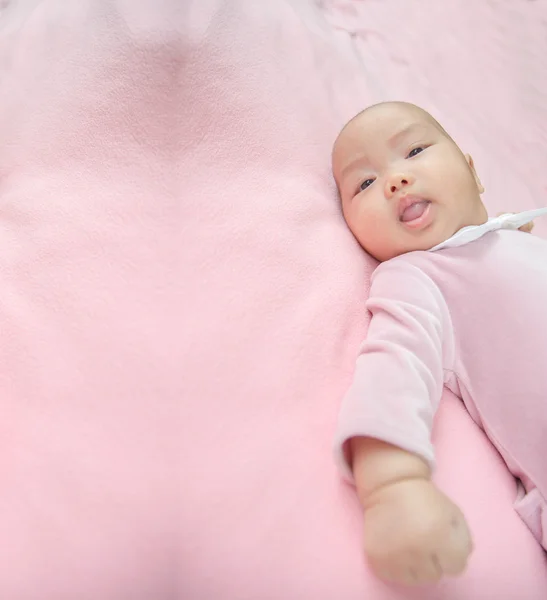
x,y
404,183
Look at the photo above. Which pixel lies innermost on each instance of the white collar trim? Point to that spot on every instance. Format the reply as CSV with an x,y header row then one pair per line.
x,y
474,232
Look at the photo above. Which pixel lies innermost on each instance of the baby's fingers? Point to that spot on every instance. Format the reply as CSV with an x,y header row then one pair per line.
x,y
526,228
454,556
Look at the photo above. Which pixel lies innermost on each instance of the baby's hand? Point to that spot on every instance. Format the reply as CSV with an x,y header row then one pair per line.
x,y
526,228
414,534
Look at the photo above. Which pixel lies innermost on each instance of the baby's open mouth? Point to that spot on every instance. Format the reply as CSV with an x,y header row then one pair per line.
x,y
412,209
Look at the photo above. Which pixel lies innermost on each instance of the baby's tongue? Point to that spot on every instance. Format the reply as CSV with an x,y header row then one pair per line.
x,y
414,211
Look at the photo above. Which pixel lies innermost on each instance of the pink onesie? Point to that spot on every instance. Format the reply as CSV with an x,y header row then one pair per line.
x,y
471,318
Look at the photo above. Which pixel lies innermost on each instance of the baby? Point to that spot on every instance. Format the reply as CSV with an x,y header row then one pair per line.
x,y
458,301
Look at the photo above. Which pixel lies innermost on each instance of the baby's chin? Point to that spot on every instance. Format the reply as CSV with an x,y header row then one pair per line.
x,y
402,240
421,243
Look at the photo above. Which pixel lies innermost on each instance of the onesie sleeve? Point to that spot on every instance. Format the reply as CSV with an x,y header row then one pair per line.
x,y
399,374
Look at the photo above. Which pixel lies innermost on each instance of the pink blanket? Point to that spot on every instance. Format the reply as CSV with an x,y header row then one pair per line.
x,y
181,302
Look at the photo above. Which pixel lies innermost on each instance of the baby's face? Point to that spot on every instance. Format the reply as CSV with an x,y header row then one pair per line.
x,y
404,184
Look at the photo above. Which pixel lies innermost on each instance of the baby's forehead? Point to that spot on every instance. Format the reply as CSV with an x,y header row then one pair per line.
x,y
381,122
382,118
372,128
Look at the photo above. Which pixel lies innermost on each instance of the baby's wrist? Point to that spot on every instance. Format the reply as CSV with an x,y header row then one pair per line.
x,y
377,464
397,486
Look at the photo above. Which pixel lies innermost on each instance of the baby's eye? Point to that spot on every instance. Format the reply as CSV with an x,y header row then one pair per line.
x,y
415,151
367,183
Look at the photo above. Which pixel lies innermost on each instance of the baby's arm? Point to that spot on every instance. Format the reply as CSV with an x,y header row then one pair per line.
x,y
413,533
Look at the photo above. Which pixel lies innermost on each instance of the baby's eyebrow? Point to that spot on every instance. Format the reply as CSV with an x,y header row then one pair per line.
x,y
360,162
412,128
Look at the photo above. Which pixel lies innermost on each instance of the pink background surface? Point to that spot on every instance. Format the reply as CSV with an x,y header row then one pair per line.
x,y
181,302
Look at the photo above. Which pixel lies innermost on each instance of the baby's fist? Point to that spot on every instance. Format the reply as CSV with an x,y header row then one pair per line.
x,y
414,534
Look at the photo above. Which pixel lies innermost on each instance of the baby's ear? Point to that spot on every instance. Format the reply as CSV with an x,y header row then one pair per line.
x,y
471,164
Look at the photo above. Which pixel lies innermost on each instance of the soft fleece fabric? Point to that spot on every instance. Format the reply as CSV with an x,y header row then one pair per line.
x,y
181,302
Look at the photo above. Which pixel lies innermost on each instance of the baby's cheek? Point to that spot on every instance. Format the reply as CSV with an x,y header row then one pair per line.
x,y
379,235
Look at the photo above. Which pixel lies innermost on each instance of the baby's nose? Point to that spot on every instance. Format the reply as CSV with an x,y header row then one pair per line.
x,y
396,183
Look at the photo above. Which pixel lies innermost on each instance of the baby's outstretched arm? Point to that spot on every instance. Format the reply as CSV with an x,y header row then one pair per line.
x,y
413,533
